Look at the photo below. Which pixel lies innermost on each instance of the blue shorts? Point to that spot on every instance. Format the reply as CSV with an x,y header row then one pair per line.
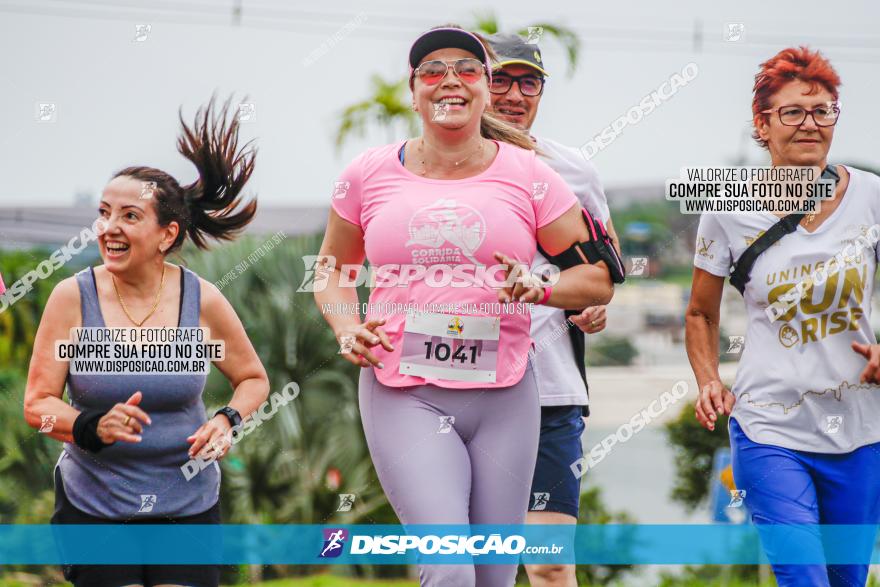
x,y
555,488
786,486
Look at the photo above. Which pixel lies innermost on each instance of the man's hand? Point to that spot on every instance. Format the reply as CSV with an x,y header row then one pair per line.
x,y
591,320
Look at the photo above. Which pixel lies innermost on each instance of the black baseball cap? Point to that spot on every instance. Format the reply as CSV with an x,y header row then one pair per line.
x,y
444,38
512,49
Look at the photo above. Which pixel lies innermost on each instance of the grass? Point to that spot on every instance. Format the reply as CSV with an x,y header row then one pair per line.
x,y
333,581
313,581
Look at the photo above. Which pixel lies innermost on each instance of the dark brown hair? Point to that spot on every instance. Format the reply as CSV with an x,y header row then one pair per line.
x,y
208,207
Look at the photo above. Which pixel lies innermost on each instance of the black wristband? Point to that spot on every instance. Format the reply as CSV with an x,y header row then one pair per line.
x,y
231,414
85,430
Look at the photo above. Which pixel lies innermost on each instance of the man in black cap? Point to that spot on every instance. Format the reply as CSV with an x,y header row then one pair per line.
x,y
516,89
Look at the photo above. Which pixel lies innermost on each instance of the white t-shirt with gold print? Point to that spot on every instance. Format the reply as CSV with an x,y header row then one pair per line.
x,y
797,385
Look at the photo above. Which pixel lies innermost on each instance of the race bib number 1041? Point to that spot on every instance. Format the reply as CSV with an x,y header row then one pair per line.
x,y
449,346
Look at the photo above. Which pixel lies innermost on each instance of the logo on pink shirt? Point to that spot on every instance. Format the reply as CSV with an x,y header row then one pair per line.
x,y
446,222
539,190
340,189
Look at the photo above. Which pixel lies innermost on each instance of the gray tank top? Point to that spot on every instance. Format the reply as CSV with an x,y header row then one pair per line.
x,y
136,480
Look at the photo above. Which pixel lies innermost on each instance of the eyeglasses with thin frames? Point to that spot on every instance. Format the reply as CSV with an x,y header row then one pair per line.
x,y
468,70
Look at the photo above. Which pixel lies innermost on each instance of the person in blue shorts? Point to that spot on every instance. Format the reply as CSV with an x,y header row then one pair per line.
x,y
517,85
805,406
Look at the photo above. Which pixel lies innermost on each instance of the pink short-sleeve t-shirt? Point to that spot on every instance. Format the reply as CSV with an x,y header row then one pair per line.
x,y
451,227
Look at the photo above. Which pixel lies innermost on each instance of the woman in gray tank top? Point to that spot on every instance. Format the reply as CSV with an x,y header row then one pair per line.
x,y
127,435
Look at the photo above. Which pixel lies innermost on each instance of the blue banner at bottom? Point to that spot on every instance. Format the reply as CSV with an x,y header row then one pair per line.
x,y
437,544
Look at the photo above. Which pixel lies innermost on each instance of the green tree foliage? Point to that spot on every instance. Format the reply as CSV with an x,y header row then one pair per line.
x,y
717,576
19,322
27,459
694,450
594,511
387,106
488,23
278,474
611,351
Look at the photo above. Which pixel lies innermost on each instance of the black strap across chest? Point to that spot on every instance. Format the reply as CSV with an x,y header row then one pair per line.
x,y
742,268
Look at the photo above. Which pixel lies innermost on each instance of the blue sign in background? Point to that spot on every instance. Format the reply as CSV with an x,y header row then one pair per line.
x,y
718,544
720,497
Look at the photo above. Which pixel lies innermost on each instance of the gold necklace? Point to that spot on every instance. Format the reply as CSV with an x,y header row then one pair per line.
x,y
456,163
812,215
155,304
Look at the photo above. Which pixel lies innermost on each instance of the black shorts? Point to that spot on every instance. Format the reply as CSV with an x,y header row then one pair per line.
x,y
146,575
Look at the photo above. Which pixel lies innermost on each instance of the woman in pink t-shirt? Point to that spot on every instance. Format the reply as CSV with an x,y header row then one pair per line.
x,y
449,222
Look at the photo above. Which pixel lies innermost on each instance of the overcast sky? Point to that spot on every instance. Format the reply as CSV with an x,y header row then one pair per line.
x,y
116,99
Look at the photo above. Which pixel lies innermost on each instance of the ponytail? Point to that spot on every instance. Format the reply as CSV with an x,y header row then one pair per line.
x,y
211,206
211,144
498,130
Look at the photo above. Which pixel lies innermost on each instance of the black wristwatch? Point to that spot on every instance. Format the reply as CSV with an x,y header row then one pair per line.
x,y
231,414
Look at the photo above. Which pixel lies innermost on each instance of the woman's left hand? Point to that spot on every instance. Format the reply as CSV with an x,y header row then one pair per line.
x,y
212,440
871,374
524,287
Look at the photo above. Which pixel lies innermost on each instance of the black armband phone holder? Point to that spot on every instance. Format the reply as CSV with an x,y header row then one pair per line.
x,y
598,248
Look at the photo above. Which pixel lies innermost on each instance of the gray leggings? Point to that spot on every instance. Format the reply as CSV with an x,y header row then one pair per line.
x,y
477,472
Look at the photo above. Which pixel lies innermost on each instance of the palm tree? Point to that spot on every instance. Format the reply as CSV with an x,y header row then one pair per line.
x,y
388,107
19,321
27,459
487,22
278,473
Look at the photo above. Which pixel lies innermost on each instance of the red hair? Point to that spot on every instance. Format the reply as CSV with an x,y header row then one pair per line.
x,y
792,64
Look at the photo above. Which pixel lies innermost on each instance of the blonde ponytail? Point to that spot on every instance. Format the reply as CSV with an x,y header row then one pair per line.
x,y
498,130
